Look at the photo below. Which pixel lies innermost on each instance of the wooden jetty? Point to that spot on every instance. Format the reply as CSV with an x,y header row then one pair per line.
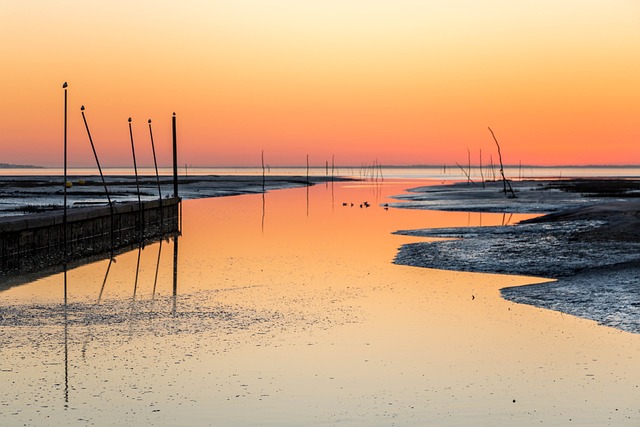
x,y
36,241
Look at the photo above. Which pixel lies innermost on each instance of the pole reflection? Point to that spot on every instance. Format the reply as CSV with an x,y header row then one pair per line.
x,y
66,340
175,273
94,312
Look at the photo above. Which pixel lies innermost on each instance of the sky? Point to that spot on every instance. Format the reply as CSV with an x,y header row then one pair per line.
x,y
400,82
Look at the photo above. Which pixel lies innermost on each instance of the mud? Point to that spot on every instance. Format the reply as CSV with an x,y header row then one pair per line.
x,y
589,244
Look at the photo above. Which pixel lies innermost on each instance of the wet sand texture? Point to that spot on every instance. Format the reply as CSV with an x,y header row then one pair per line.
x,y
590,243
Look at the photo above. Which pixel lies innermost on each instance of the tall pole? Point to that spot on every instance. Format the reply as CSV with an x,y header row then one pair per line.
x,y
64,215
95,155
135,171
155,162
104,183
175,156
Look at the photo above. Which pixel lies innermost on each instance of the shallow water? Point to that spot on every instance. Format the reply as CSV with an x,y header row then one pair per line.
x,y
287,310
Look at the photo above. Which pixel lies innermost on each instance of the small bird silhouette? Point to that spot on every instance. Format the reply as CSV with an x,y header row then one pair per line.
x,y
129,119
149,121
82,108
64,85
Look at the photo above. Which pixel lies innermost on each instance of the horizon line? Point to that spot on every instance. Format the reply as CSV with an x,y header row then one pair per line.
x,y
361,166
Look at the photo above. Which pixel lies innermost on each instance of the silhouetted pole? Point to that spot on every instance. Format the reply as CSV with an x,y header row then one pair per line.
x,y
155,162
333,163
64,215
175,156
104,183
135,171
505,182
95,155
263,172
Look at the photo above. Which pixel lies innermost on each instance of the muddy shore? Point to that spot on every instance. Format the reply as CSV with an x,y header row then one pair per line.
x,y
32,194
587,242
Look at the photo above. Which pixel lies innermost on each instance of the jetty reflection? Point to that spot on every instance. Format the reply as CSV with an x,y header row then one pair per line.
x,y
94,310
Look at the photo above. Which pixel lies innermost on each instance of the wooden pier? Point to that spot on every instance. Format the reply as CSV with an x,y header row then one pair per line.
x,y
36,241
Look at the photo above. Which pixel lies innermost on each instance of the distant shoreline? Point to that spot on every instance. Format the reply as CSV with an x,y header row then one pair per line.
x,y
12,166
386,166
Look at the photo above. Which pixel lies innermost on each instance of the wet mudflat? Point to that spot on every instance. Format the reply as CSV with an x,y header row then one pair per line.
x,y
34,194
589,243
286,309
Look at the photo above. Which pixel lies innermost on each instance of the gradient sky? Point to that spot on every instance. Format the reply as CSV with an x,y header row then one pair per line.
x,y
400,81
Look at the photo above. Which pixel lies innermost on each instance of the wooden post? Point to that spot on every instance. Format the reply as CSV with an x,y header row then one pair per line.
x,y
135,171
64,215
263,176
104,182
155,164
175,156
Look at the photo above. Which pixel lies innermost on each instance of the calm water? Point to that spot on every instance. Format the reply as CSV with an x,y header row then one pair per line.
x,y
285,309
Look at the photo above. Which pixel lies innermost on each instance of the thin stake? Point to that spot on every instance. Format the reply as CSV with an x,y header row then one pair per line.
x,y
175,156
95,155
333,164
469,180
263,172
64,215
104,183
481,173
155,163
505,182
135,171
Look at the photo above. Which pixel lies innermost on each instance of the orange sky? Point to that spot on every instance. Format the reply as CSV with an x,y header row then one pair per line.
x,y
400,81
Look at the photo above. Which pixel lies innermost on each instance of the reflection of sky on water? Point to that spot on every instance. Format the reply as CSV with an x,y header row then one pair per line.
x,y
288,311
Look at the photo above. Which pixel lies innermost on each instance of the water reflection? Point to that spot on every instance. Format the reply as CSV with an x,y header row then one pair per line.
x,y
299,318
94,309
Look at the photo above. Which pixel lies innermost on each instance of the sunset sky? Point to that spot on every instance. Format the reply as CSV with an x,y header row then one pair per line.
x,y
401,81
